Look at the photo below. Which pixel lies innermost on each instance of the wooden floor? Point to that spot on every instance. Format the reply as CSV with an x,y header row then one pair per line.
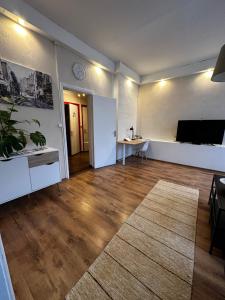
x,y
79,162
51,239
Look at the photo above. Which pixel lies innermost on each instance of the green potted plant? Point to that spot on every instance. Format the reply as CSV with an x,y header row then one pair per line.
x,y
12,138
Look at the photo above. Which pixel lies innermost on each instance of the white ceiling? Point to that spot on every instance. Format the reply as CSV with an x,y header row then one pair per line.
x,y
147,35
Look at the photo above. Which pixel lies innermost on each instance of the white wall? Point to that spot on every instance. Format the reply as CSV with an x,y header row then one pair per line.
x,y
97,80
37,52
126,93
191,97
32,50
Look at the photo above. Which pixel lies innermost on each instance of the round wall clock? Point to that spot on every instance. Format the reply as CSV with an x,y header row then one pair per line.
x,y
79,71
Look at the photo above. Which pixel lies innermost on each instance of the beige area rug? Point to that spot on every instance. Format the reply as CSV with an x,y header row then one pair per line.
x,y
152,255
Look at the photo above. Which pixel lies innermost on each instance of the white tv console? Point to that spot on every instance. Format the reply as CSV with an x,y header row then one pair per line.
x,y
25,173
202,156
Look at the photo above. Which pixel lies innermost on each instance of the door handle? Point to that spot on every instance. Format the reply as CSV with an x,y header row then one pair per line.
x,y
114,133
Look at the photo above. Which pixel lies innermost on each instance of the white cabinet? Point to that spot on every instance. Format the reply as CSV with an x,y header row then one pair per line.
x,y
6,290
24,174
14,178
201,156
45,175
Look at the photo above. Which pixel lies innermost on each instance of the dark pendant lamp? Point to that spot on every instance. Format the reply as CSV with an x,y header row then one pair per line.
x,y
219,71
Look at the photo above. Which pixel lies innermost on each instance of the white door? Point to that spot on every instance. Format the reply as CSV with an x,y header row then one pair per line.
x,y
74,129
104,131
6,289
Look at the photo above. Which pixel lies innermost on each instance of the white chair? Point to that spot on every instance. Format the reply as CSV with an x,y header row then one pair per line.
x,y
144,150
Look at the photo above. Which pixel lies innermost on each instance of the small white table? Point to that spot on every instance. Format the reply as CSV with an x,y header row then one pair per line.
x,y
133,143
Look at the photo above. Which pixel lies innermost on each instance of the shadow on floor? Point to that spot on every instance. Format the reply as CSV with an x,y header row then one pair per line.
x,y
79,162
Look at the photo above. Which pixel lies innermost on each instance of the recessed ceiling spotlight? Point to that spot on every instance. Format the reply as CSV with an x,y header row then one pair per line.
x,y
209,72
78,95
98,70
21,21
20,29
83,95
129,82
162,82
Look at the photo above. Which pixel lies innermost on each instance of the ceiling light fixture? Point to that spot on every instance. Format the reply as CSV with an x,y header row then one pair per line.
x,y
83,95
129,82
21,21
19,29
209,72
98,70
78,95
162,82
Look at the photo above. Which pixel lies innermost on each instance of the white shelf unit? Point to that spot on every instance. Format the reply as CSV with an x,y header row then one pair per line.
x,y
202,156
23,174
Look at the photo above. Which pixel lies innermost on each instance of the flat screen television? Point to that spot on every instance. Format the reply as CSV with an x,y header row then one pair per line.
x,y
200,131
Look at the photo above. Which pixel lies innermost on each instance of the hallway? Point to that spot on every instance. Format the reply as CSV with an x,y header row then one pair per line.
x,y
79,162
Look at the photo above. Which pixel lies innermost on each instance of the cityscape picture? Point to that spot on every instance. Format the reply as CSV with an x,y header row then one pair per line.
x,y
25,86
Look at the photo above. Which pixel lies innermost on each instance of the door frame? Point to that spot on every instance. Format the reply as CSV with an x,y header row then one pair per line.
x,y
65,86
83,105
78,107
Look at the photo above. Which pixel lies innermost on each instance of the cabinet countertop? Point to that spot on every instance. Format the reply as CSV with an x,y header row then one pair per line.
x,y
29,152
